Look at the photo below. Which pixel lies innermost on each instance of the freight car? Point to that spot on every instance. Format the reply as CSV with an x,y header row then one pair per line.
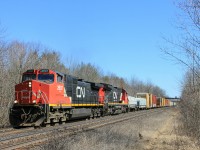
x,y
171,103
167,102
150,99
48,97
159,101
136,103
163,102
142,103
132,103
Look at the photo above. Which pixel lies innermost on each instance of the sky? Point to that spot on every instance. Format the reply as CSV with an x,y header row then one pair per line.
x,y
123,37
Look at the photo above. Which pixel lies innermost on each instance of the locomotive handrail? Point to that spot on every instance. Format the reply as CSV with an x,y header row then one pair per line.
x,y
45,108
100,99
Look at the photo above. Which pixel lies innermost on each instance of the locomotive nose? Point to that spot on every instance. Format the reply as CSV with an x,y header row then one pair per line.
x,y
24,93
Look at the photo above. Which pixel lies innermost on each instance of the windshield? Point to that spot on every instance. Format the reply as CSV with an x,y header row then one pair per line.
x,y
28,77
46,77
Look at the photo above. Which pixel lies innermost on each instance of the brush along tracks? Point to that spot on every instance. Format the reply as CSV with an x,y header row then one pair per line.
x,y
28,138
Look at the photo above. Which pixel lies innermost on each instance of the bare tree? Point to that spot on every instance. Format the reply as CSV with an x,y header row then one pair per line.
x,y
87,72
186,52
51,60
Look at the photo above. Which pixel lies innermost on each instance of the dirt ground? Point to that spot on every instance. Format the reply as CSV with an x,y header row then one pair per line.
x,y
158,131
167,136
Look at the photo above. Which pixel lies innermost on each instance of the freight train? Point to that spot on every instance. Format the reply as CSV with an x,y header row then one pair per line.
x,y
48,97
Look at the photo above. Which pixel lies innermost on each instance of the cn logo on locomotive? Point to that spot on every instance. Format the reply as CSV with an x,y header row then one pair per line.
x,y
80,92
114,95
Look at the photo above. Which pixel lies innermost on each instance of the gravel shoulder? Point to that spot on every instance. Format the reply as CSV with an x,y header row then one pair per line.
x,y
150,132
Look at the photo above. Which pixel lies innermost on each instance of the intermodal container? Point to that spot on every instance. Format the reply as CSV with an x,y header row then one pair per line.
x,y
132,103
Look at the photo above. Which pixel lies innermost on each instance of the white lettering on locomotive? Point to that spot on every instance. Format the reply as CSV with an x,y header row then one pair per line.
x,y
80,92
59,87
114,95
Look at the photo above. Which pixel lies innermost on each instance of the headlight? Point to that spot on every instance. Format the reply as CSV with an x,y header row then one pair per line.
x,y
34,101
29,84
15,101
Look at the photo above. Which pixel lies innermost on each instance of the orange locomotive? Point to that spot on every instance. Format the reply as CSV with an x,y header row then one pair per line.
x,y
48,97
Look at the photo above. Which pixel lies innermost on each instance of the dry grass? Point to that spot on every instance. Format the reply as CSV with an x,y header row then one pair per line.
x,y
158,131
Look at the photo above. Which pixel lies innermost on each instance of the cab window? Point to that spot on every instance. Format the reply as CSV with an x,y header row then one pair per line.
x,y
59,78
28,77
46,77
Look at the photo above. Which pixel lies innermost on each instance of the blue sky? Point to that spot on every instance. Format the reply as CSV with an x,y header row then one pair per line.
x,y
121,37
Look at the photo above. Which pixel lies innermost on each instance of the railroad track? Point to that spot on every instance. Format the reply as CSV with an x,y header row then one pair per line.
x,y
29,138
3,130
12,131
